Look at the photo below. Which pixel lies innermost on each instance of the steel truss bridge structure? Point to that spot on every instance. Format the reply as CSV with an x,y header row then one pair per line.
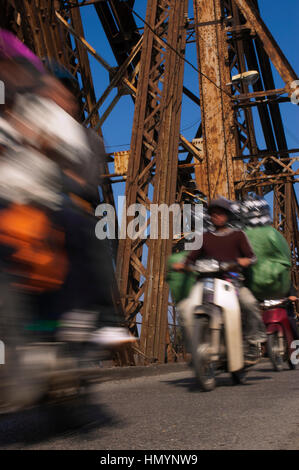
x,y
163,166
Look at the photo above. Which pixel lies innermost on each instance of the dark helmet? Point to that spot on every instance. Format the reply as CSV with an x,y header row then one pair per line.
x,y
62,74
221,203
256,212
11,48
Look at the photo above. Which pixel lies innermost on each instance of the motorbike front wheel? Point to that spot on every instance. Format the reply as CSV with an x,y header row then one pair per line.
x,y
274,351
239,377
200,345
291,365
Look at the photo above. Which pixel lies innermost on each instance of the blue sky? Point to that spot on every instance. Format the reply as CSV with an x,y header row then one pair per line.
x,y
281,19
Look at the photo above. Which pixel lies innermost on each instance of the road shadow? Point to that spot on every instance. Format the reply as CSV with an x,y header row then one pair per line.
x,y
192,385
285,369
46,422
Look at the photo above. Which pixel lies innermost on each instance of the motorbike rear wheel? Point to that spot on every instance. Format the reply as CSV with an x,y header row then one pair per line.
x,y
203,367
274,352
239,377
291,365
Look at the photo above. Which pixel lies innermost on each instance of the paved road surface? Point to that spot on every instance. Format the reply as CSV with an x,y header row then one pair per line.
x,y
168,412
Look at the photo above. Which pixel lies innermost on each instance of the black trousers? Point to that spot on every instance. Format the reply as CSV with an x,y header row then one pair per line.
x,y
88,285
291,314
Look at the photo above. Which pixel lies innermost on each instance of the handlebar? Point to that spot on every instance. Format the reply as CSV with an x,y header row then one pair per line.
x,y
206,266
275,302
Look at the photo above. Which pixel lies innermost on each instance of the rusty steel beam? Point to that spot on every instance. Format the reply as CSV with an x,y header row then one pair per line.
x,y
154,146
270,45
120,28
264,181
82,3
269,153
219,146
244,124
259,94
286,215
165,183
261,104
83,41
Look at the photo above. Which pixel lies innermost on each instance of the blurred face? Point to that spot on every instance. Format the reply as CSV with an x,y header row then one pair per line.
x,y
15,77
219,217
56,91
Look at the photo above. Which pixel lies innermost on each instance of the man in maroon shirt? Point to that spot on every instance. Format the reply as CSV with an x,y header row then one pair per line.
x,y
227,244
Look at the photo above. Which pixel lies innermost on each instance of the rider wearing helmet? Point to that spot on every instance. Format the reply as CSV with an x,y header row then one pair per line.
x,y
228,244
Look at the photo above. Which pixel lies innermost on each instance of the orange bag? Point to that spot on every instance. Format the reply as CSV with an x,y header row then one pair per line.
x,y
40,259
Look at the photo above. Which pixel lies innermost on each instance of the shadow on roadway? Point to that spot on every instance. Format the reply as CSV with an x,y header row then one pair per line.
x,y
46,422
285,369
192,385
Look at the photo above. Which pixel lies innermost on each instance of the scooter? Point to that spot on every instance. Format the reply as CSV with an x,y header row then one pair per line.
x,y
37,370
211,320
279,332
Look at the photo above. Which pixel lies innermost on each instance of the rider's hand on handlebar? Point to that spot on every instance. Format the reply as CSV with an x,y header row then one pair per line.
x,y
292,298
179,267
244,262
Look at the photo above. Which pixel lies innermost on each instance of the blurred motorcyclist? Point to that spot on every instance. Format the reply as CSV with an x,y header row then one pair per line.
x,y
88,286
45,154
227,244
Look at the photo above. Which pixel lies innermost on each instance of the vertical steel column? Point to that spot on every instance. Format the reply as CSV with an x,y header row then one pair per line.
x,y
286,214
153,161
245,132
216,108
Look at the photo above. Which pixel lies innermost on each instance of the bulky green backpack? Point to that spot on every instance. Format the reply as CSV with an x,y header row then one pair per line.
x,y
270,277
180,283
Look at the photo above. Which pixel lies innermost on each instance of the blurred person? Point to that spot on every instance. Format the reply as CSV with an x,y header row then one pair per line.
x,y
226,244
48,157
11,47
15,258
31,243
33,148
89,283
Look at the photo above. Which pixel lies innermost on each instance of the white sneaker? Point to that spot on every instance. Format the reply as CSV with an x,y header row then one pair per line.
x,y
76,326
111,336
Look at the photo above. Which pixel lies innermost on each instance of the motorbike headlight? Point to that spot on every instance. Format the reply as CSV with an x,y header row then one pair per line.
x,y
207,266
271,303
208,290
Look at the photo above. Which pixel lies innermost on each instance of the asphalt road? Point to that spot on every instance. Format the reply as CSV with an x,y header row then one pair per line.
x,y
169,412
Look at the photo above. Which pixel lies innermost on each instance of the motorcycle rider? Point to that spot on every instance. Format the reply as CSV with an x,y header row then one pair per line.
x,y
45,144
227,244
88,287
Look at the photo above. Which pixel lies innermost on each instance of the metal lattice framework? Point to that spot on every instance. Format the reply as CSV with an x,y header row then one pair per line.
x,y
153,161
163,166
